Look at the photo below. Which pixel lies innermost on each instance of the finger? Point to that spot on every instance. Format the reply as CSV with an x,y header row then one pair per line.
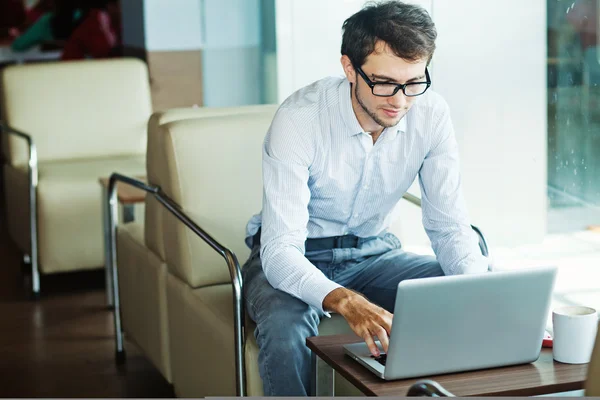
x,y
383,337
371,345
386,322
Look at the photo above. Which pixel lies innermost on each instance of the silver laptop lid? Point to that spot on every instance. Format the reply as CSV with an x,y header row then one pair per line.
x,y
468,322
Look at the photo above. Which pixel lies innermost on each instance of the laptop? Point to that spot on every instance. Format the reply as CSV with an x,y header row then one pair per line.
x,y
463,323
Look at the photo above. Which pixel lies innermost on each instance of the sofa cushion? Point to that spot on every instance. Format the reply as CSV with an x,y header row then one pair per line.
x,y
70,233
214,173
156,159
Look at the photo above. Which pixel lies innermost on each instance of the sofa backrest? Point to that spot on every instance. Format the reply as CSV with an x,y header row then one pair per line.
x,y
77,109
213,170
156,160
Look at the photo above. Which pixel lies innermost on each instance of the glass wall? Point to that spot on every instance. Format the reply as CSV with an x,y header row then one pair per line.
x,y
239,62
573,115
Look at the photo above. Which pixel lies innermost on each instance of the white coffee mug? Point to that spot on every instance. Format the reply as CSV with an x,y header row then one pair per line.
x,y
574,334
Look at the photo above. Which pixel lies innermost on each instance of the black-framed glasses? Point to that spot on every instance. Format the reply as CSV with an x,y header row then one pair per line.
x,y
388,89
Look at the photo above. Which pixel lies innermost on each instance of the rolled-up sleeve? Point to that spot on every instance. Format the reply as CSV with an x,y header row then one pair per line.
x,y
445,215
287,156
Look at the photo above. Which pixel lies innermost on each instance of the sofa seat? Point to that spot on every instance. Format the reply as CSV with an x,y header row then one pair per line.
x,y
69,206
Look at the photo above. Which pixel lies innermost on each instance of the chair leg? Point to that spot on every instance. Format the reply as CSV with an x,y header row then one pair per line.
x,y
107,250
35,280
28,267
33,232
120,357
25,265
112,267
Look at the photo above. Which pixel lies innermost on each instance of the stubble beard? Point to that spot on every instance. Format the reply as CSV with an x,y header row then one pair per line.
x,y
373,115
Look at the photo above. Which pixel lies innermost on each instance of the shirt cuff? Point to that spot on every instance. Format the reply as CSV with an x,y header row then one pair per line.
x,y
315,292
479,265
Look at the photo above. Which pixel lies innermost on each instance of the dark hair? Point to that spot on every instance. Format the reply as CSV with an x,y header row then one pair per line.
x,y
406,28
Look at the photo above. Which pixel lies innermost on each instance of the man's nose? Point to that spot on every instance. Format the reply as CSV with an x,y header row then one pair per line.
x,y
398,100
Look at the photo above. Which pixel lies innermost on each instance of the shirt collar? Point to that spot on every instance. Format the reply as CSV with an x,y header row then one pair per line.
x,y
349,117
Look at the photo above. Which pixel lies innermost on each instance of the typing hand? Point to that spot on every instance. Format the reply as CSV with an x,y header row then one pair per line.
x,y
366,319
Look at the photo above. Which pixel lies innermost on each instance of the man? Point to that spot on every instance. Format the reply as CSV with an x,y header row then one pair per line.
x,y
337,159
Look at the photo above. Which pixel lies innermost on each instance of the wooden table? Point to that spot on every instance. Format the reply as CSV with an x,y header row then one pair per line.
x,y
126,194
541,377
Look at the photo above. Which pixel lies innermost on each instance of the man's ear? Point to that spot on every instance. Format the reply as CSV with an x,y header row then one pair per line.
x,y
348,68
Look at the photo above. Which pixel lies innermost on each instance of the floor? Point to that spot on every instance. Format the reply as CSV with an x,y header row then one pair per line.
x,y
62,345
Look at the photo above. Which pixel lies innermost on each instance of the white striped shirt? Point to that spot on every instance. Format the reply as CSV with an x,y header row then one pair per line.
x,y
323,176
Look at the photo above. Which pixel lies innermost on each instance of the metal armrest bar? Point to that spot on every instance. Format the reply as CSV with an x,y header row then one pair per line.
x,y
428,388
33,183
411,198
228,255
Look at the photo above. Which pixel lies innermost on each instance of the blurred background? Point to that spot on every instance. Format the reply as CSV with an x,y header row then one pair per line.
x,y
521,78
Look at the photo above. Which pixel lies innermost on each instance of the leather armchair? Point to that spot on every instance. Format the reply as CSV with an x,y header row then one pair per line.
x,y
66,125
140,250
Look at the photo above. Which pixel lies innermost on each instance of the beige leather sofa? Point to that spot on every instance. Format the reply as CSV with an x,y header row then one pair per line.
x,y
65,125
140,255
178,276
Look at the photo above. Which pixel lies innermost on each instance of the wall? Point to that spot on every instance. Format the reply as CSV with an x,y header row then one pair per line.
x,y
231,52
501,117
134,35
173,25
168,36
490,67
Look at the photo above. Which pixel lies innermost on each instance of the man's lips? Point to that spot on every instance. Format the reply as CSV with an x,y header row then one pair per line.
x,y
391,113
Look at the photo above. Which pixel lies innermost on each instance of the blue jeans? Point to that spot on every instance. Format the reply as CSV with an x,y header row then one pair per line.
x,y
283,322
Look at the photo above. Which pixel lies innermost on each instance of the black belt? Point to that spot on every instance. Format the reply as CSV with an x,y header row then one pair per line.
x,y
333,242
326,243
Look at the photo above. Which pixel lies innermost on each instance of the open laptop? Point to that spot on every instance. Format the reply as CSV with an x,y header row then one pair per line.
x,y
464,322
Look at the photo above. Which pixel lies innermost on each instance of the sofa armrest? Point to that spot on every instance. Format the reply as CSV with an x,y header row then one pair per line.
x,y
483,246
226,253
33,183
428,388
33,159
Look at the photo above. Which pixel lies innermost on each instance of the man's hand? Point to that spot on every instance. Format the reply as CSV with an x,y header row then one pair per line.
x,y
366,319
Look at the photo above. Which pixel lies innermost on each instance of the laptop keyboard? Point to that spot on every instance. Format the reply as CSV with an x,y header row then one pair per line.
x,y
381,359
